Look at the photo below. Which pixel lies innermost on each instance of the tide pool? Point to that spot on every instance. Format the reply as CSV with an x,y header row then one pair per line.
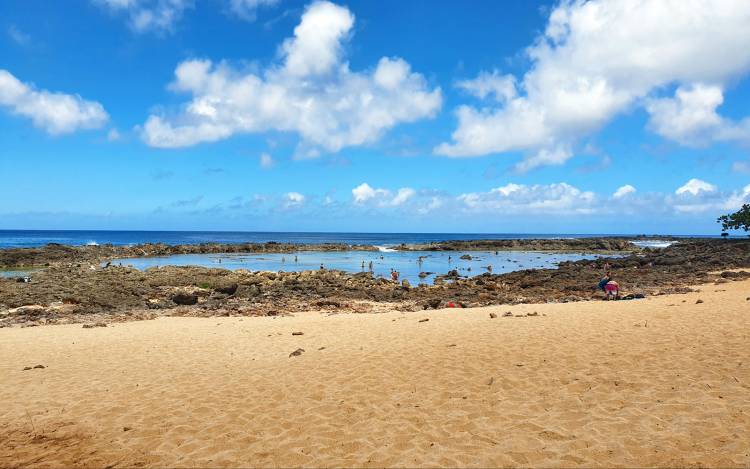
x,y
409,264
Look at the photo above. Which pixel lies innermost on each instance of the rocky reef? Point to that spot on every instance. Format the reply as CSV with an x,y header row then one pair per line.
x,y
83,291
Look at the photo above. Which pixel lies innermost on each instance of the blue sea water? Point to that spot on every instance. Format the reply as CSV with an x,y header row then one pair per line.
x,y
409,264
31,238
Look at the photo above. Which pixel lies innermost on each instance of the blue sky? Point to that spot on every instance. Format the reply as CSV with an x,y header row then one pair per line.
x,y
611,116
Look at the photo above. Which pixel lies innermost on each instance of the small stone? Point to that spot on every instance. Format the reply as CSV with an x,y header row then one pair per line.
x,y
424,320
699,302
507,314
126,429
493,315
297,353
96,324
298,333
39,366
492,380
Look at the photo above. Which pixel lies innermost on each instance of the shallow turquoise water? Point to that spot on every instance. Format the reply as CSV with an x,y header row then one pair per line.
x,y
15,273
408,263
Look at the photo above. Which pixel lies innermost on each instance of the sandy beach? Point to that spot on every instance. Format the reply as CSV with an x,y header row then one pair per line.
x,y
663,381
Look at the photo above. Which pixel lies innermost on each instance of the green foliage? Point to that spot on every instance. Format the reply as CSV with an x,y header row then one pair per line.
x,y
737,220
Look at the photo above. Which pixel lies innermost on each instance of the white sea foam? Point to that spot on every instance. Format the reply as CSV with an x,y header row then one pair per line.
x,y
92,243
656,243
385,249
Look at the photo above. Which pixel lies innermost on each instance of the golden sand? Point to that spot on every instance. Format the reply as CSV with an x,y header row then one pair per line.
x,y
656,382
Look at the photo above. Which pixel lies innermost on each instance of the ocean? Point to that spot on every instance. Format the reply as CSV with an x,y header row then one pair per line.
x,y
32,238
414,266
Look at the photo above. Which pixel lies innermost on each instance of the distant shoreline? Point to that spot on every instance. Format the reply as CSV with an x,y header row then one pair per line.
x,y
55,253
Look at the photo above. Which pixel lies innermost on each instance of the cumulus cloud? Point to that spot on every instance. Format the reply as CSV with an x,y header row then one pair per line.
x,y
54,112
624,191
600,58
158,16
695,187
501,88
690,117
559,198
293,200
364,193
311,92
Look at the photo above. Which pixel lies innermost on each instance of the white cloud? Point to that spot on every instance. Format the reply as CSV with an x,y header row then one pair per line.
x,y
158,16
690,117
600,58
737,199
623,191
560,198
247,9
364,193
695,186
501,87
311,92
403,195
56,113
293,200
266,161
545,157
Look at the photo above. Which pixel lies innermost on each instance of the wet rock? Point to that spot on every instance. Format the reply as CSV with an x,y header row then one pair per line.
x,y
465,257
26,368
405,284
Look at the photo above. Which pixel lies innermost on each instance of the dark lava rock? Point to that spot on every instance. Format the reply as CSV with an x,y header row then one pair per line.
x,y
229,289
433,303
185,299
